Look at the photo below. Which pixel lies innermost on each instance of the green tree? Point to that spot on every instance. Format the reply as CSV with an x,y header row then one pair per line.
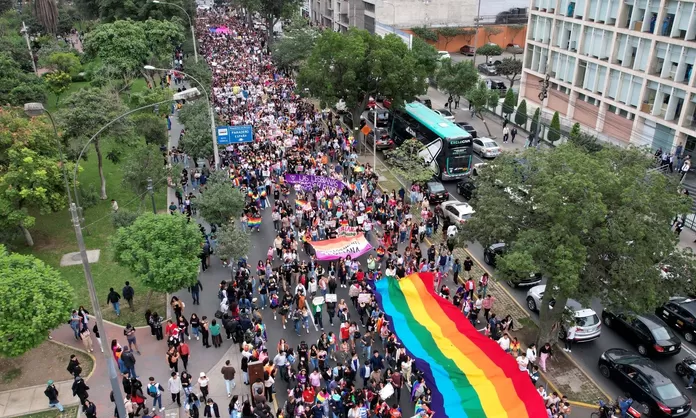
x,y
58,83
272,11
468,34
29,312
481,97
16,86
84,113
555,128
584,140
161,250
448,34
407,162
200,71
232,243
489,50
197,142
222,202
6,5
426,55
30,172
64,62
521,114
113,10
588,223
575,132
356,65
457,79
46,12
52,47
128,46
491,31
515,30
425,33
143,162
152,127
509,103
295,47
534,128
510,68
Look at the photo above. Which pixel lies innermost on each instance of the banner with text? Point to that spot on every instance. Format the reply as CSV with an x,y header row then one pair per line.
x,y
333,249
308,182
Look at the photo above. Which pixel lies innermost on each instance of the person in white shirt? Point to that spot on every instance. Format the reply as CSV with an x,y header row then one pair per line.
x,y
174,387
570,337
504,343
522,362
531,353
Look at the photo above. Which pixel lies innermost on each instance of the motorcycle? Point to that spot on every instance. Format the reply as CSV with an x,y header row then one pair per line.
x,y
686,367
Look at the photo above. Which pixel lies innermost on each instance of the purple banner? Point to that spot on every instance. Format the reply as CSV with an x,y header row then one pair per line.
x,y
308,182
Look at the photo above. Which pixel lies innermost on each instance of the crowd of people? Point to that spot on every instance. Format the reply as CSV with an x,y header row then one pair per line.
x,y
361,368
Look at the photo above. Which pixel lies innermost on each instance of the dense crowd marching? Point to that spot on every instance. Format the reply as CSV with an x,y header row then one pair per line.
x,y
342,374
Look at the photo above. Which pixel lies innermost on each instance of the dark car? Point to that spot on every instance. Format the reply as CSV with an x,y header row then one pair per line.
x,y
487,69
498,86
653,392
383,117
348,120
425,100
384,141
490,255
466,188
680,313
467,127
436,193
647,332
467,50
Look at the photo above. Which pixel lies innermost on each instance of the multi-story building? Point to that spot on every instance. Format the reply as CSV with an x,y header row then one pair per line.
x,y
623,69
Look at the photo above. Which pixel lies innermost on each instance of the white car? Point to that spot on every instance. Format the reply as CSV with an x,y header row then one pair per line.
x,y
458,212
486,147
445,114
588,326
444,55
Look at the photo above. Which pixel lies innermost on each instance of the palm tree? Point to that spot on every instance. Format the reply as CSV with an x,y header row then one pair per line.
x,y
46,12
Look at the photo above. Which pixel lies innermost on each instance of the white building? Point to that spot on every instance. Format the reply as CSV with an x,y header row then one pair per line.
x,y
406,14
622,68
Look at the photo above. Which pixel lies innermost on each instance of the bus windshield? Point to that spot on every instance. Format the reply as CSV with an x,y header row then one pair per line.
x,y
458,156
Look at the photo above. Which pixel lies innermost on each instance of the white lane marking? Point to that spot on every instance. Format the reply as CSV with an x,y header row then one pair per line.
x,y
688,350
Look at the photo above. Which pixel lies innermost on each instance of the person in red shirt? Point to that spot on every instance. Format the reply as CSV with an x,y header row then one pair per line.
x,y
345,331
184,352
308,394
360,275
469,288
169,328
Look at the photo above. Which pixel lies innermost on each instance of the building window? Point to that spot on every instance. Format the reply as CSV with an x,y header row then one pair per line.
x,y
369,7
370,23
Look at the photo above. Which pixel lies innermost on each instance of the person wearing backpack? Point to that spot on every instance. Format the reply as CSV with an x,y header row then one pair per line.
x,y
155,390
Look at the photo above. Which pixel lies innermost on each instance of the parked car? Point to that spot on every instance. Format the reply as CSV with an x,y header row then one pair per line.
x,y
487,69
445,114
436,192
588,327
466,188
680,313
387,103
457,212
348,120
652,390
467,127
384,141
514,49
371,103
486,147
425,100
467,50
498,86
383,117
648,333
490,256
444,55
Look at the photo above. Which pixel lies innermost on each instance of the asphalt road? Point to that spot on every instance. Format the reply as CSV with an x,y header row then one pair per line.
x,y
585,354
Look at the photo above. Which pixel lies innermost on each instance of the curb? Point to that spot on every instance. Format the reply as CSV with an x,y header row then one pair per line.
x,y
582,370
40,411
94,359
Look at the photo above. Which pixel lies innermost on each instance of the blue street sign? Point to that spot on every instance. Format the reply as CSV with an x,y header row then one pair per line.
x,y
235,134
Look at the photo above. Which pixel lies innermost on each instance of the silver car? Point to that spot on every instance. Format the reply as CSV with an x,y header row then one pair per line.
x,y
588,326
486,147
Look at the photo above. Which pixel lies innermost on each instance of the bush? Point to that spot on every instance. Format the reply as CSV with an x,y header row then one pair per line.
x,y
555,128
521,114
89,196
123,218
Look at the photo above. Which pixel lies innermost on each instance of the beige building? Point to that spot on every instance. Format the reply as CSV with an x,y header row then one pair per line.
x,y
624,69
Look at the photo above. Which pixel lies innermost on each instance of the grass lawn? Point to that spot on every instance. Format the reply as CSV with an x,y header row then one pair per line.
x,y
51,98
68,412
54,236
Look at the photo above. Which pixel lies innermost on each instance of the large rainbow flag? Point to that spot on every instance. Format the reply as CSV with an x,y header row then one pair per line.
x,y
469,374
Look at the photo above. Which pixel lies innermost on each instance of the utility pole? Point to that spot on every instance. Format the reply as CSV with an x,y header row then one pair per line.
x,y
477,20
113,378
31,53
152,195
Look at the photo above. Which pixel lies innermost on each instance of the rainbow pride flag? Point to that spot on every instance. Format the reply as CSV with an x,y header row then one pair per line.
x,y
469,374
254,221
299,204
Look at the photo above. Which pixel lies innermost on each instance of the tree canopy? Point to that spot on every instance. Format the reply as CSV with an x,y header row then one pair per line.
x,y
510,68
221,202
162,250
30,171
489,50
425,33
449,33
295,47
596,226
407,163
197,141
457,79
143,162
16,86
355,65
232,242
29,312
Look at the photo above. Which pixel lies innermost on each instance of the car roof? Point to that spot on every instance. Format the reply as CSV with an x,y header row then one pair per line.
x,y
484,139
497,245
461,206
651,321
643,364
686,303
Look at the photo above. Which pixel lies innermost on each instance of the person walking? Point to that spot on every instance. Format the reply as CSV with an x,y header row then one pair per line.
x,y
184,352
228,373
204,331
544,353
128,293
173,359
52,394
90,409
174,387
129,332
129,361
155,390
506,134
95,331
203,383
113,298
86,338
196,292
513,134
211,409
215,334
80,389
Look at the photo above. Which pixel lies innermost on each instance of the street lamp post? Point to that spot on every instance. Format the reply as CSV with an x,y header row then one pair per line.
x,y
36,109
216,153
193,32
478,21
393,16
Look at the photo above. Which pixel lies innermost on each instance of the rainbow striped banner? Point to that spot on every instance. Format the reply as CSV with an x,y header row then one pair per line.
x,y
469,374
299,204
254,221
